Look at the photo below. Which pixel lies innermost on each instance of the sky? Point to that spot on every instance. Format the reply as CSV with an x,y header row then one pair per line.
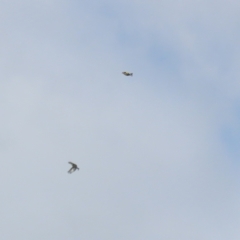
x,y
158,152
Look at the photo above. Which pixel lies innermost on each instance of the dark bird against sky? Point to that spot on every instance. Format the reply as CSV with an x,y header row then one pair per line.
x,y
73,168
127,73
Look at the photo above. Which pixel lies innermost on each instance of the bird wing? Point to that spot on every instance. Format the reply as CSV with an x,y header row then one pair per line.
x,y
127,73
73,164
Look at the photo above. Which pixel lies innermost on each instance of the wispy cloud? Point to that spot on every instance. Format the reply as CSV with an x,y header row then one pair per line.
x,y
157,151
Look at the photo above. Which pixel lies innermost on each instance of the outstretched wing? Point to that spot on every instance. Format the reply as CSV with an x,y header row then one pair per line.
x,y
72,169
127,73
73,164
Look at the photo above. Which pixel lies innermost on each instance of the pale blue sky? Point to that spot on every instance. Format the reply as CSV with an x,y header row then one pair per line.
x,y
158,152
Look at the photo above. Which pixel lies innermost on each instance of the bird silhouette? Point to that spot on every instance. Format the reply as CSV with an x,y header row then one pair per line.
x,y
127,73
73,168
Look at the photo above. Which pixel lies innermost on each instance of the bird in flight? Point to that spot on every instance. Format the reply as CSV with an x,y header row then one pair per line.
x,y
73,168
127,73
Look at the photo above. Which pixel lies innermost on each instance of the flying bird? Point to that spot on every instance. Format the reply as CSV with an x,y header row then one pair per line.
x,y
73,168
127,73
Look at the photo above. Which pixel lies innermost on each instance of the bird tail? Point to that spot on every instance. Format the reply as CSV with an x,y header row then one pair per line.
x,y
131,74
